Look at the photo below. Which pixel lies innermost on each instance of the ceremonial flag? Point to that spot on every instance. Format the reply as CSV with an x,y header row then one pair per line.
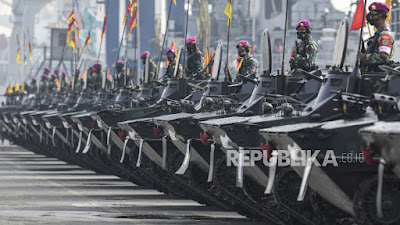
x,y
173,45
18,51
104,25
25,62
228,11
84,75
10,89
132,22
108,74
175,2
16,88
72,43
29,46
389,3
71,17
22,88
86,43
358,17
127,12
18,57
207,58
58,85
30,51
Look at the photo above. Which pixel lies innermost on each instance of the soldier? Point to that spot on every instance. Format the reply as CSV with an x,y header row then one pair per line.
x,y
304,54
57,72
47,71
52,86
43,84
94,81
380,46
169,73
247,64
63,82
153,71
33,88
119,77
195,63
78,81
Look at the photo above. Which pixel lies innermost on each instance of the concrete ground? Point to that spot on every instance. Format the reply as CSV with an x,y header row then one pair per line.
x,y
39,190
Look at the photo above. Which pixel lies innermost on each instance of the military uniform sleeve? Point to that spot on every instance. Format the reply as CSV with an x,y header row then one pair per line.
x,y
253,64
308,60
384,51
199,65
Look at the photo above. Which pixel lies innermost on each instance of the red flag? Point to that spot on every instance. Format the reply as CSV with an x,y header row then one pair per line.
x,y
88,39
104,25
357,19
173,45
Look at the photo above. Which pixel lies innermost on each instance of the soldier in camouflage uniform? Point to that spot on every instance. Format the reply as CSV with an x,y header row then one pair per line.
x,y
78,81
304,54
33,88
247,65
169,73
153,71
195,68
63,82
43,84
94,81
119,78
380,46
52,86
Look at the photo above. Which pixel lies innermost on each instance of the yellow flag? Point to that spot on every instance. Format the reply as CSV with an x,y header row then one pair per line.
x,y
18,55
200,1
22,88
10,90
175,2
228,11
16,88
84,75
58,85
389,3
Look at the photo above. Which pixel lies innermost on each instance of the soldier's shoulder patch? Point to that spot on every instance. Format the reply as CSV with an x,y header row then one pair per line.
x,y
385,44
385,36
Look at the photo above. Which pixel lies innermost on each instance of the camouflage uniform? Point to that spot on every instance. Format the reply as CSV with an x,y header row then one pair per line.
x,y
195,66
380,50
152,71
248,66
169,73
306,57
33,88
52,88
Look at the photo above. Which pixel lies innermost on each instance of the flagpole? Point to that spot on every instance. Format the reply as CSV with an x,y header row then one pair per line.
x,y
165,36
122,40
284,38
90,29
101,41
361,33
186,32
227,50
